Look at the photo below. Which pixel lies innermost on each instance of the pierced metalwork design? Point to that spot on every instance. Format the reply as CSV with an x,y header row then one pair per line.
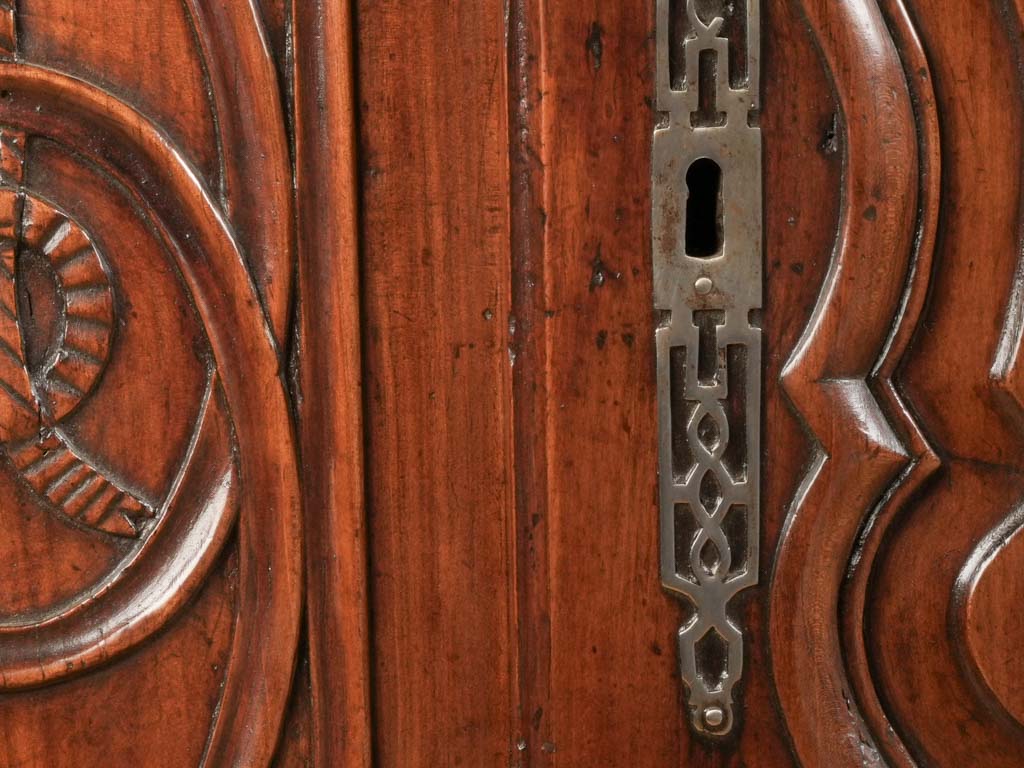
x,y
707,224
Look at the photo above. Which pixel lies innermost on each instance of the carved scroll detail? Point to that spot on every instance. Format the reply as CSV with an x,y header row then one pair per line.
x,y
707,284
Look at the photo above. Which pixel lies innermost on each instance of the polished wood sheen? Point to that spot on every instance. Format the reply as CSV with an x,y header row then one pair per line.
x,y
328,411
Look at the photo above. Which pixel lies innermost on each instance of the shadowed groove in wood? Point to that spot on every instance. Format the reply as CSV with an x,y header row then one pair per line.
x,y
858,453
1007,372
924,460
329,396
530,387
257,195
910,633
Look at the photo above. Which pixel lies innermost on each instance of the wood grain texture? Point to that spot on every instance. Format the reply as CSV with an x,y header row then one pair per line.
x,y
436,298
329,388
858,453
912,629
256,186
924,461
597,653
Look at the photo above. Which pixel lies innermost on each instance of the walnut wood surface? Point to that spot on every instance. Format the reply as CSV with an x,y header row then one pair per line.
x,y
327,397
436,302
329,387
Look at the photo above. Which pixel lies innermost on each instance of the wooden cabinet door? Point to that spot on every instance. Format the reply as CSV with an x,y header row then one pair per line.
x,y
511,383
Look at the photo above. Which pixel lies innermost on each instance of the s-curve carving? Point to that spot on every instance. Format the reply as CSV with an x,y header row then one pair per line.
x,y
924,460
858,453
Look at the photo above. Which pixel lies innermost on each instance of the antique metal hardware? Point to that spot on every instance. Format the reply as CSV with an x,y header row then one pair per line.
x,y
707,224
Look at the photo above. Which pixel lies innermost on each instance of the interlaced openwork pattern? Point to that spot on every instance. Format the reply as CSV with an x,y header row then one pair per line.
x,y
708,283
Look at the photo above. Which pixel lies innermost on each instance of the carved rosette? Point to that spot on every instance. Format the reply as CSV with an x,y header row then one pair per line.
x,y
140,383
707,286
56,323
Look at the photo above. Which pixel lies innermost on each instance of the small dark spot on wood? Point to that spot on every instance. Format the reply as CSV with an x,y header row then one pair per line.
x,y
797,267
595,45
601,272
488,314
656,649
628,339
830,142
870,213
602,339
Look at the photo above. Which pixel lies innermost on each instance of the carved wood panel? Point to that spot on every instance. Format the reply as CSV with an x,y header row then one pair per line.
x,y
332,337
156,259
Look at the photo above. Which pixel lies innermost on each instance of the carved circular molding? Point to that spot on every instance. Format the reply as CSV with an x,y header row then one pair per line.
x,y
54,364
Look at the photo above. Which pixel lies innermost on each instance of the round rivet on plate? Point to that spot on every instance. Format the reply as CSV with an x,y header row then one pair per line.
x,y
714,716
703,285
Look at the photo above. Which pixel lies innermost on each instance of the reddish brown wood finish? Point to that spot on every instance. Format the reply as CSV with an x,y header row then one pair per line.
x,y
857,453
96,144
372,377
595,630
329,387
435,224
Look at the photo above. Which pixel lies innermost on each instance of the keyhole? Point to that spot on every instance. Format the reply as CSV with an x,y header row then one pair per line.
x,y
704,228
